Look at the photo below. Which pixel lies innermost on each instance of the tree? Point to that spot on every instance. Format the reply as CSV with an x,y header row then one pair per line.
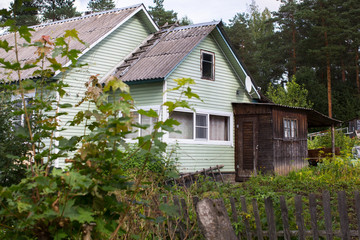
x,y
294,95
160,15
100,5
58,9
24,12
13,149
254,38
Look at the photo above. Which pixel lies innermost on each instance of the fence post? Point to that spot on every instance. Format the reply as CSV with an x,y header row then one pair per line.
x,y
313,216
285,218
269,209
234,213
245,220
327,215
299,217
344,217
257,220
357,208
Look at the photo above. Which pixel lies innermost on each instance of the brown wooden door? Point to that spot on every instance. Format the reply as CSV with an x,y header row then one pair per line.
x,y
246,147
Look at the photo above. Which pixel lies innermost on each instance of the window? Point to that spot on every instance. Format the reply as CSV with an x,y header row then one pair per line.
x,y
143,120
201,126
207,65
19,120
290,128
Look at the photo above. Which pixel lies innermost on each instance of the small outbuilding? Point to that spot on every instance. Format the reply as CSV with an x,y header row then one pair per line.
x,y
272,138
354,127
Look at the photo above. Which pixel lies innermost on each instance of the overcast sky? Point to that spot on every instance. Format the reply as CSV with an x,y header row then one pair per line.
x,y
197,11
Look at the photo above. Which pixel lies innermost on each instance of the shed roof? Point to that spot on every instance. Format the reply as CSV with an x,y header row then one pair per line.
x,y
166,50
91,29
314,118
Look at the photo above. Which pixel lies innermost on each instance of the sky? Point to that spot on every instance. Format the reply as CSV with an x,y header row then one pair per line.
x,y
197,11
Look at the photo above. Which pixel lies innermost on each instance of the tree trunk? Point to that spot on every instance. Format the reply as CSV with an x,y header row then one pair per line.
x,y
357,69
293,44
343,75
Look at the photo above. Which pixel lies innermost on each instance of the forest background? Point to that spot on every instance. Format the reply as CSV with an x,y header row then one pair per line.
x,y
317,41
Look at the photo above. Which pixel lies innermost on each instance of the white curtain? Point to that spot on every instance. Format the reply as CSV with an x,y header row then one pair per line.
x,y
186,125
219,128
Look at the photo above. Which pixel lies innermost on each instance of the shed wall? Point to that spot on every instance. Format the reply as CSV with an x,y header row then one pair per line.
x,y
289,154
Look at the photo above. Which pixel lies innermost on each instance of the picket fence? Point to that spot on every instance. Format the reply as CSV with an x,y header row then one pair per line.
x,y
335,224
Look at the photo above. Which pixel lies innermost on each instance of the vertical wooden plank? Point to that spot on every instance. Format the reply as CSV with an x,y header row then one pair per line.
x,y
269,209
180,223
343,214
299,217
218,168
212,174
257,220
313,216
357,209
185,216
327,215
285,218
234,215
245,220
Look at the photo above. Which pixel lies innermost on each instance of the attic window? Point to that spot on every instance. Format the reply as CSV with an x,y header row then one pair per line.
x,y
207,65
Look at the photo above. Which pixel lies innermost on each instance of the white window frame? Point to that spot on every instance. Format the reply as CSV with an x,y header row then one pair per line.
x,y
26,96
146,108
294,132
206,141
202,52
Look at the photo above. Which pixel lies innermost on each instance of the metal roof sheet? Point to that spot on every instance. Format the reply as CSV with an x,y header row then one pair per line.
x,y
168,52
91,28
315,118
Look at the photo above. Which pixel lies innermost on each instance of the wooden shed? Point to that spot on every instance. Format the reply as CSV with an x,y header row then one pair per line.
x,y
272,138
354,127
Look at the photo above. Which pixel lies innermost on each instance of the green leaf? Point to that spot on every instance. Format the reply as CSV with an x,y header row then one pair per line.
x,y
23,207
5,45
151,113
114,84
73,33
65,105
25,33
170,210
60,235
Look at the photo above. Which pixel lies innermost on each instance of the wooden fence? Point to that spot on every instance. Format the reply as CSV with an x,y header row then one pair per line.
x,y
333,213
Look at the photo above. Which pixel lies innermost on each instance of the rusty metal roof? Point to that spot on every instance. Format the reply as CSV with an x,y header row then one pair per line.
x,y
314,118
165,52
91,29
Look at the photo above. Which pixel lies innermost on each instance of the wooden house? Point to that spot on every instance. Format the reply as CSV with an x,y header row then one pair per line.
x,y
354,127
272,138
126,43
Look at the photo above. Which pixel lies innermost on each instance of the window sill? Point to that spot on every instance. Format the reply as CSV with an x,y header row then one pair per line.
x,y
199,142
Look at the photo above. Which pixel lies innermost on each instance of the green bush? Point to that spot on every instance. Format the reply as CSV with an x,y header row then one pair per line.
x,y
341,140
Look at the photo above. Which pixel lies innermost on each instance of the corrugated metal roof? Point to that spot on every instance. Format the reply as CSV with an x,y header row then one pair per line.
x,y
91,28
166,53
315,118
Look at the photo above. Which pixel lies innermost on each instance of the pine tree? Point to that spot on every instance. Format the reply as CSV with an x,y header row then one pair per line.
x,y
58,9
160,15
24,12
100,5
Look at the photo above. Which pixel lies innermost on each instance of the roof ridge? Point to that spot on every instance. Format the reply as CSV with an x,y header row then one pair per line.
x,y
204,24
80,18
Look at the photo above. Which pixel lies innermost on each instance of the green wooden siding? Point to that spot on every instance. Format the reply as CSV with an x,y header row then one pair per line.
x,y
101,59
195,157
147,94
217,95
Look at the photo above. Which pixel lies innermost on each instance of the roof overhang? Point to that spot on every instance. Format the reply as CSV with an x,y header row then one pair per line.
x,y
314,118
